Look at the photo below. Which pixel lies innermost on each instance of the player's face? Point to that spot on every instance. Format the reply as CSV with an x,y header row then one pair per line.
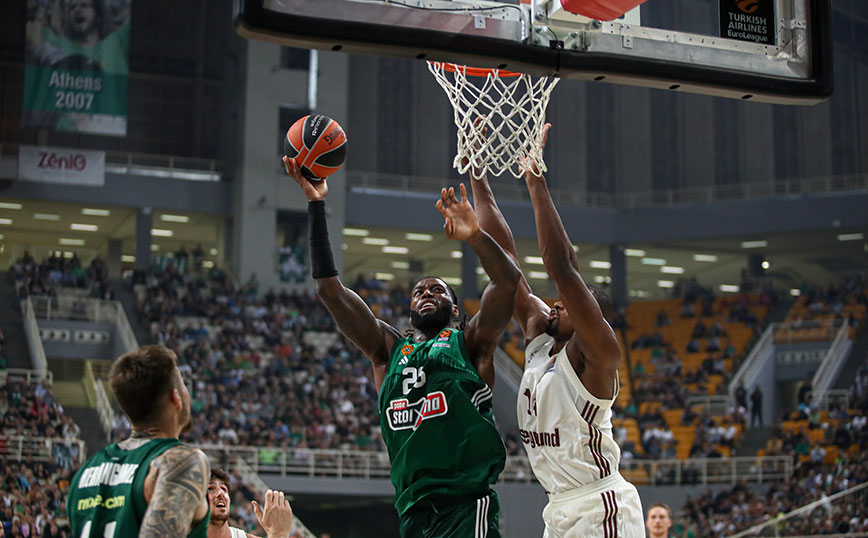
x,y
431,304
560,326
82,16
218,499
658,521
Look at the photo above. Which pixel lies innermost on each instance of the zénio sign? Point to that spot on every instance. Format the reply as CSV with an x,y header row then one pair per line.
x,y
61,165
748,20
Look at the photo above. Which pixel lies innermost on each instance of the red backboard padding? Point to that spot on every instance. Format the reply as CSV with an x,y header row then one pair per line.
x,y
604,10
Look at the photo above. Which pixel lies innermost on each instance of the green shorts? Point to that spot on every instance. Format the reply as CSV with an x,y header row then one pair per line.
x,y
473,518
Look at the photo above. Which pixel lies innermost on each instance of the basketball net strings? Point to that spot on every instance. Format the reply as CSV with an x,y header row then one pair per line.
x,y
514,115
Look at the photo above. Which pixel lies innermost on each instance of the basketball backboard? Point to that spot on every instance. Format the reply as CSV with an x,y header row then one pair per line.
x,y
761,50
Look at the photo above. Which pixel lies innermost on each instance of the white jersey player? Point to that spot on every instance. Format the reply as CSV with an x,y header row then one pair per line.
x,y
275,517
569,384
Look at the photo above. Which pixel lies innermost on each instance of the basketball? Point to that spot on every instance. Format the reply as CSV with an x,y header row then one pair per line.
x,y
318,143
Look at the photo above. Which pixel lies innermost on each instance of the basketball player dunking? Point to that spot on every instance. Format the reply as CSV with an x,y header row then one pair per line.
x,y
570,382
434,382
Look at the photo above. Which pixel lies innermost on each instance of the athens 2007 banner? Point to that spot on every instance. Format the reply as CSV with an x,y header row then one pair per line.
x,y
77,65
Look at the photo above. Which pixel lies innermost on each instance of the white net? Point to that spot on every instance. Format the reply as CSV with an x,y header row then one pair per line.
x,y
513,111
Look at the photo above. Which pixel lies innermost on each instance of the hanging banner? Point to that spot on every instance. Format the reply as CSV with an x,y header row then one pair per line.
x,y
61,165
76,65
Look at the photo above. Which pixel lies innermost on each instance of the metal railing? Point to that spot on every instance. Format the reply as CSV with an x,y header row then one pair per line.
x,y
702,471
760,352
319,463
28,377
372,181
85,309
154,165
717,405
775,524
833,361
21,448
94,386
789,332
823,400
31,334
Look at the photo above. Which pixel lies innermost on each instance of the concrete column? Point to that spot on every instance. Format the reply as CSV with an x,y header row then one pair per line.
x,y
113,257
469,262
262,187
618,272
144,218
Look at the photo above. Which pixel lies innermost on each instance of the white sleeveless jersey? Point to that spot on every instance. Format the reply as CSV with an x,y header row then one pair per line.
x,y
237,533
566,431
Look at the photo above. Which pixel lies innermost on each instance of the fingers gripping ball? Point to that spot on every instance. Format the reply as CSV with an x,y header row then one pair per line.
x,y
319,145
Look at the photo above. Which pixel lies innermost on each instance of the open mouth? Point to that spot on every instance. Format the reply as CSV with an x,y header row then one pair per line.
x,y
427,305
220,504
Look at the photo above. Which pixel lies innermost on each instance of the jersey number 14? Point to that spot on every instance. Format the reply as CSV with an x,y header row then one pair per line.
x,y
531,402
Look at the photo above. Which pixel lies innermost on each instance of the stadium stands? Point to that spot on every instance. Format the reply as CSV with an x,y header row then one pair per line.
x,y
40,448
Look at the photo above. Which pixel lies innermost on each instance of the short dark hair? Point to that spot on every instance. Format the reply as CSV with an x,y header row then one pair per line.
x,y
140,381
661,505
603,301
219,474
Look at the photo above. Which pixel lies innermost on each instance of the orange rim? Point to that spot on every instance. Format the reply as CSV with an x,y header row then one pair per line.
x,y
476,71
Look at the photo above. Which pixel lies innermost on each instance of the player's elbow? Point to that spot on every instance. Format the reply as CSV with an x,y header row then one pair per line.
x,y
328,289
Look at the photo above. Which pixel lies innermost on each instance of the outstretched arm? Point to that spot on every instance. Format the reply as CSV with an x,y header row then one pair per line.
x,y
181,486
530,311
498,300
352,316
593,338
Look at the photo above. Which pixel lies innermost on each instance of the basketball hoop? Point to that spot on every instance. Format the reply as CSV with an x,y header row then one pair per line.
x,y
513,108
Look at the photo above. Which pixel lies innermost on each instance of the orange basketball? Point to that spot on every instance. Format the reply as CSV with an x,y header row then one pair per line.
x,y
318,143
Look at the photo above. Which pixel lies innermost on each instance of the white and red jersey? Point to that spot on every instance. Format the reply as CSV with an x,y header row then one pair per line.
x,y
566,431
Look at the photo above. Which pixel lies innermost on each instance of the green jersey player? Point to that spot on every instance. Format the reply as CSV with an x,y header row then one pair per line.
x,y
435,382
151,484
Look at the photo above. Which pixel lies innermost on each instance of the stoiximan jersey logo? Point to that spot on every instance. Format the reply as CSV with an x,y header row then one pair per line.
x,y
403,415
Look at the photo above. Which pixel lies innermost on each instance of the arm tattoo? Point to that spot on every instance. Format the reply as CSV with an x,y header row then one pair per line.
x,y
180,487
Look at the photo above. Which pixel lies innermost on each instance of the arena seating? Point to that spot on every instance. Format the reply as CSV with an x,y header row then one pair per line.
x,y
33,488
819,311
57,274
830,453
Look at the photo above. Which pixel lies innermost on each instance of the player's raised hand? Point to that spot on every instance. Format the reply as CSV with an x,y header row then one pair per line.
x,y
530,170
460,221
276,517
313,190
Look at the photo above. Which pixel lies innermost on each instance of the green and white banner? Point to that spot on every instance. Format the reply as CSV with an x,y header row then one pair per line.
x,y
77,65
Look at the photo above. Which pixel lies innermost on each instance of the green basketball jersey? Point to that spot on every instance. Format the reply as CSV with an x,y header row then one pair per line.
x,y
435,414
106,497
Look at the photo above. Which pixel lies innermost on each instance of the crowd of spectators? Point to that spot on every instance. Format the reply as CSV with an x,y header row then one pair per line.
x,y
727,511
33,411
244,353
818,474
58,271
33,499
32,492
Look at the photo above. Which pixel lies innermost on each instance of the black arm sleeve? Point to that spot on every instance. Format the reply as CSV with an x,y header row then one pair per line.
x,y
321,256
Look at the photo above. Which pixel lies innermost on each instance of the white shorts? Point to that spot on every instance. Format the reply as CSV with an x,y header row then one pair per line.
x,y
609,508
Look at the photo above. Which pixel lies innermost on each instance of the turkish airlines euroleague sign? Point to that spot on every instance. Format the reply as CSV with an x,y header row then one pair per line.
x,y
61,165
748,20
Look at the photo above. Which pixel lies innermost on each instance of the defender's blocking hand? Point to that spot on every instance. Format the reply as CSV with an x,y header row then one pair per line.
x,y
276,517
459,218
